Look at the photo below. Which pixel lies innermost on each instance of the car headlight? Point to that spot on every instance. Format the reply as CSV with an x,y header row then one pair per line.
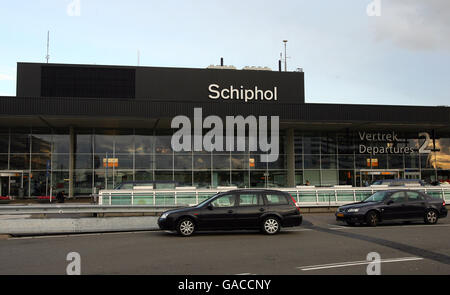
x,y
353,210
164,216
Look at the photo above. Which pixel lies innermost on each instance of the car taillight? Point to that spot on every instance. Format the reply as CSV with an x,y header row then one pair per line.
x,y
443,203
295,203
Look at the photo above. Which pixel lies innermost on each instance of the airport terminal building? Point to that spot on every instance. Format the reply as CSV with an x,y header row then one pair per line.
x,y
82,128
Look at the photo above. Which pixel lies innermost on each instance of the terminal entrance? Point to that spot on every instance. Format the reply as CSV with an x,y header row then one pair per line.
x,y
12,184
366,177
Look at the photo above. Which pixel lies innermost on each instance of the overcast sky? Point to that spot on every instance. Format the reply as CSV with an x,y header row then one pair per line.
x,y
348,53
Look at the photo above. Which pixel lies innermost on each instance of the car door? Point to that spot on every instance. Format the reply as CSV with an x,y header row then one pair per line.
x,y
250,208
415,204
395,206
219,213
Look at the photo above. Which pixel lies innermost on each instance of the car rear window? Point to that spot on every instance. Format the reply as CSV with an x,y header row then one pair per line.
x,y
250,200
277,199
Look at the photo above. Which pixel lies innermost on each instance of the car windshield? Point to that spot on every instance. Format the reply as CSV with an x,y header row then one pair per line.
x,y
376,197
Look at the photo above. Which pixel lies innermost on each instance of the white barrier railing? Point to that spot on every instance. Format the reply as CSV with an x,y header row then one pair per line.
x,y
306,196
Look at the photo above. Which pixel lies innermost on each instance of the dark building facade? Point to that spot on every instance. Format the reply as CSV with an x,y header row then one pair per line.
x,y
82,128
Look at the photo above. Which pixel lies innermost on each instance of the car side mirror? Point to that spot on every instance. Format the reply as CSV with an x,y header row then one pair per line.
x,y
390,202
210,206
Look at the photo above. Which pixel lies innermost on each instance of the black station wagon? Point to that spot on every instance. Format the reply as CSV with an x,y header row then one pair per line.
x,y
266,210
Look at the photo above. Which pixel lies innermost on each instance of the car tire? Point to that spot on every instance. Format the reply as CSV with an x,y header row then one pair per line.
x,y
185,227
271,225
431,217
372,218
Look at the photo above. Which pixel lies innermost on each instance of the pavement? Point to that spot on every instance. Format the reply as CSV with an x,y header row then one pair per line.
x,y
320,246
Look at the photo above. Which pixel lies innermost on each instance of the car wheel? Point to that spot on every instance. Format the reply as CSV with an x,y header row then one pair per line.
x,y
431,217
372,218
185,227
271,226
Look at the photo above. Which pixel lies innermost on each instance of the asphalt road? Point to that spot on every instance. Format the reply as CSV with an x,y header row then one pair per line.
x,y
319,246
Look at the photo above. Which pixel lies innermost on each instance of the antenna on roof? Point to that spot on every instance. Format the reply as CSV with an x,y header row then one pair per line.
x,y
138,57
47,57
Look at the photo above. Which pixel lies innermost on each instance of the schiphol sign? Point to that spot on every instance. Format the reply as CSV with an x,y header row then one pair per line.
x,y
389,139
241,93
215,140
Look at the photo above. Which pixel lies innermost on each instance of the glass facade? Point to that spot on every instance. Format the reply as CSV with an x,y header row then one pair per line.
x,y
33,160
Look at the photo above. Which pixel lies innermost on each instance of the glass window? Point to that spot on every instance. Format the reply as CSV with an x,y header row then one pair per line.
x,y
250,200
20,143
104,143
183,161
328,162
19,162
312,176
311,145
329,144
163,144
124,161
221,178
124,143
277,179
4,143
183,178
143,175
202,179
221,162
143,161
4,162
84,143
412,161
82,182
276,199
398,197
82,161
40,162
143,144
164,162
41,143
329,177
257,179
414,196
298,162
298,143
239,162
395,161
346,161
240,179
312,162
224,201
61,143
202,161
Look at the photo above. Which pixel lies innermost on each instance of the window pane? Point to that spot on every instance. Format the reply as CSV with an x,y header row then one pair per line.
x,y
39,162
20,143
312,161
4,143
250,200
19,162
163,162
275,199
202,161
82,161
183,161
224,201
221,162
143,161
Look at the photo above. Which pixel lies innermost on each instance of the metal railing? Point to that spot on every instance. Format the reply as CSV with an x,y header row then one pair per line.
x,y
305,196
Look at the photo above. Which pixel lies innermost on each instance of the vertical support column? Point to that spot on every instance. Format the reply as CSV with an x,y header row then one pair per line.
x,y
71,160
290,154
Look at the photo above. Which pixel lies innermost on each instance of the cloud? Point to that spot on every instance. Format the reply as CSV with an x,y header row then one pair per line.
x,y
414,24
